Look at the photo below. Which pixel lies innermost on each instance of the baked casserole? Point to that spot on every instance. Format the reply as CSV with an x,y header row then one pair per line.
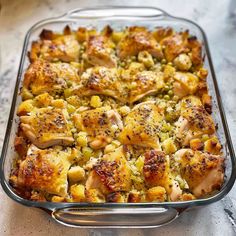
x,y
116,116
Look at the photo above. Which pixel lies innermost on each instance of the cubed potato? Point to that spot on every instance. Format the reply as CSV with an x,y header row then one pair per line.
x,y
212,145
156,194
57,199
94,195
146,58
95,101
82,139
87,152
169,146
25,107
183,62
59,103
77,192
76,173
196,144
109,148
169,71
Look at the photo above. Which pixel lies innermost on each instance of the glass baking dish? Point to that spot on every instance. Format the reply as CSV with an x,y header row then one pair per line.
x,y
117,214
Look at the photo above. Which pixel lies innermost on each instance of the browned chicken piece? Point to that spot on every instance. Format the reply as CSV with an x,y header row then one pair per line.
x,y
100,51
42,76
196,51
142,125
47,127
101,80
101,124
161,33
64,48
156,169
203,172
182,43
174,45
156,194
193,123
110,174
45,170
145,83
138,39
185,84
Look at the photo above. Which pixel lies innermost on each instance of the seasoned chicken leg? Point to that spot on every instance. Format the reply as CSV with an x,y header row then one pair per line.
x,y
203,172
145,83
45,170
100,52
101,80
193,123
185,84
47,127
110,174
64,48
142,125
138,39
42,76
101,124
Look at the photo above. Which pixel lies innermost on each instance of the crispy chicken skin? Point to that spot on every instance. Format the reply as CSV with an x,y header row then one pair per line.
x,y
185,84
156,169
204,172
42,76
142,125
101,124
175,45
193,123
178,43
45,170
47,127
100,51
138,39
106,81
110,174
64,48
101,80
146,83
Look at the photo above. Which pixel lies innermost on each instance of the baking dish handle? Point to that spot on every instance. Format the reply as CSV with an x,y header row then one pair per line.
x,y
116,11
115,217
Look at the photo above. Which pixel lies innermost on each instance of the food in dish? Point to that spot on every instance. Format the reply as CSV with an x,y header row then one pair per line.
x,y
116,116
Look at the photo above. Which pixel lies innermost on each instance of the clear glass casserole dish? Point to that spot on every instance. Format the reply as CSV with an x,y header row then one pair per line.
x,y
117,214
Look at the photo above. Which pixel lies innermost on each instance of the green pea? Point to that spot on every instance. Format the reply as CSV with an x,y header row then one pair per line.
x,y
167,97
163,61
170,93
166,88
122,64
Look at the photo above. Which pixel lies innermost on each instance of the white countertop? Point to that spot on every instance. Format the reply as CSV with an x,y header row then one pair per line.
x,y
16,16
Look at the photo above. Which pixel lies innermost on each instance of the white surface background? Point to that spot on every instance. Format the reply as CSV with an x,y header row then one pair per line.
x,y
216,18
